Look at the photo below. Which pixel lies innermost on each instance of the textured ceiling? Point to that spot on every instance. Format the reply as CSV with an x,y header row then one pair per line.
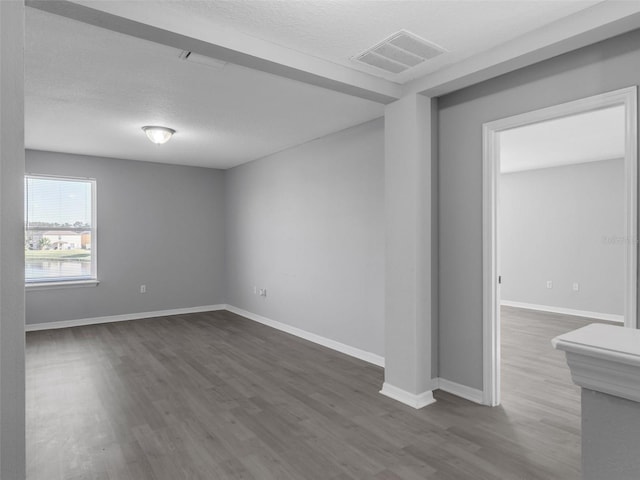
x,y
588,137
337,30
90,90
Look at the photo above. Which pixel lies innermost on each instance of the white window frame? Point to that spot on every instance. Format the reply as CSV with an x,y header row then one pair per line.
x,y
61,282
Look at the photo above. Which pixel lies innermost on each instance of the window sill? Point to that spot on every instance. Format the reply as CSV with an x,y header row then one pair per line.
x,y
61,284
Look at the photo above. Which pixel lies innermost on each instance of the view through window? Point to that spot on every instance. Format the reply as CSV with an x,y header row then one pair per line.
x,y
59,229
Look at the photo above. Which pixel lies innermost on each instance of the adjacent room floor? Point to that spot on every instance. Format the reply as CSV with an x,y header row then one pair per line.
x,y
216,396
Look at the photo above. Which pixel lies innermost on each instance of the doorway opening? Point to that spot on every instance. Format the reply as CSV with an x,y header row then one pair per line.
x,y
622,102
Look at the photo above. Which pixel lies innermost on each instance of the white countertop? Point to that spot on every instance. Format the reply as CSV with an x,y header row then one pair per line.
x,y
604,358
604,341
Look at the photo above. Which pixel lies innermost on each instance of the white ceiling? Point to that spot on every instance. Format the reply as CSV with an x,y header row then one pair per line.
x,y
90,89
338,30
588,137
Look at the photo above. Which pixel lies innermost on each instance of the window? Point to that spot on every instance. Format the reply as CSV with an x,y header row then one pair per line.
x,y
60,239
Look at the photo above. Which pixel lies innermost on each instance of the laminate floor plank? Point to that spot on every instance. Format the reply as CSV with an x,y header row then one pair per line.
x,y
213,396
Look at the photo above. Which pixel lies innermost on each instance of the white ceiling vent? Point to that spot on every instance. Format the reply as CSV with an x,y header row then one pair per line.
x,y
201,59
399,52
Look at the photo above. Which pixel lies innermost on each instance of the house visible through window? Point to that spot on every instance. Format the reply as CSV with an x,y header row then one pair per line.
x,y
60,228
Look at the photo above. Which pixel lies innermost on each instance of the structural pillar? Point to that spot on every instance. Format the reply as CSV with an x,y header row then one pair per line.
x,y
408,251
12,336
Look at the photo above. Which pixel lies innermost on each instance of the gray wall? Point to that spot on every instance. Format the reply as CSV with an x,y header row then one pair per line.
x,y
12,342
158,225
564,224
307,224
610,437
595,69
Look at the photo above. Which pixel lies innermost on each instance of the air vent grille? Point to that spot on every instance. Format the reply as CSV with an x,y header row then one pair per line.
x,y
399,52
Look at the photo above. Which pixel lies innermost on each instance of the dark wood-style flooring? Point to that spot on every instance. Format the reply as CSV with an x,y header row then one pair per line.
x,y
215,396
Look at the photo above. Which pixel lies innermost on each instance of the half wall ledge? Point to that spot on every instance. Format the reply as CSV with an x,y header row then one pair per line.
x,y
605,361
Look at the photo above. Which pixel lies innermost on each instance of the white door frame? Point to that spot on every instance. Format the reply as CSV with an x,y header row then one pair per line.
x,y
490,186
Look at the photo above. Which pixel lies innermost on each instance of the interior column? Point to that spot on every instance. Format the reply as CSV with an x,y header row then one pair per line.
x,y
12,340
408,254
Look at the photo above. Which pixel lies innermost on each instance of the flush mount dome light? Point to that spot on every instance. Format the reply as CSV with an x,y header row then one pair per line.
x,y
158,135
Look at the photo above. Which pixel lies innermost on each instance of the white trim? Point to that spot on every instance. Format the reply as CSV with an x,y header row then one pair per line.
x,y
611,317
312,337
490,268
62,284
604,358
68,281
120,318
629,96
468,393
413,400
490,185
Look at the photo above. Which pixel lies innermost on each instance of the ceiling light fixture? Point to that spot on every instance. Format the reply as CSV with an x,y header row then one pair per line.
x,y
158,135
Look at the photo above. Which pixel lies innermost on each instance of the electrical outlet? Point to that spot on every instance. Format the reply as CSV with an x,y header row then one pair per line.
x,y
549,284
255,290
143,289
576,287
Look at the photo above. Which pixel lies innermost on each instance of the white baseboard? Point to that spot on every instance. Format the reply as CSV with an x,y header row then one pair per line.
x,y
312,337
120,318
611,317
462,391
413,400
